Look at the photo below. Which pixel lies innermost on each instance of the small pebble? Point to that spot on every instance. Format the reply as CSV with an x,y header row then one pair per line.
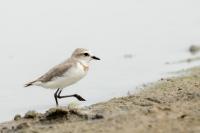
x,y
128,56
17,117
30,115
194,48
4,128
22,126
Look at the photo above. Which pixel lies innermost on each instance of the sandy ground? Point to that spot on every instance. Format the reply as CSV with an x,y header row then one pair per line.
x,y
168,106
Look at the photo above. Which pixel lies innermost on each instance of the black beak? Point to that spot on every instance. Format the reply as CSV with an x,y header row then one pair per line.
x,y
96,58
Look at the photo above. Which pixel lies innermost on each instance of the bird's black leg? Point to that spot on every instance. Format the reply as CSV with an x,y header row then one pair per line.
x,y
59,92
56,95
75,95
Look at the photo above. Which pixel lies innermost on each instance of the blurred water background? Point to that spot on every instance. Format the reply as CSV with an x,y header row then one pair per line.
x,y
134,39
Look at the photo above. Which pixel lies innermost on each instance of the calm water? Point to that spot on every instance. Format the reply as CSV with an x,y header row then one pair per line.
x,y
36,35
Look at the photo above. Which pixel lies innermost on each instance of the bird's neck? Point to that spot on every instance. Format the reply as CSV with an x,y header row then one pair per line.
x,y
85,63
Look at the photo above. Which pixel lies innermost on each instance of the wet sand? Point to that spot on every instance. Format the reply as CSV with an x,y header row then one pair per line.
x,y
170,105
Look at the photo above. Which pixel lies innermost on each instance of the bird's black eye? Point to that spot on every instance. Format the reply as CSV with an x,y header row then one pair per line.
x,y
86,54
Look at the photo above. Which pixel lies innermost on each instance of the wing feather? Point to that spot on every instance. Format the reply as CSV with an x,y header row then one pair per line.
x,y
56,71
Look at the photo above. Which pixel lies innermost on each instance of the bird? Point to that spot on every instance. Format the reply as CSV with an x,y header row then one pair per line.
x,y
66,74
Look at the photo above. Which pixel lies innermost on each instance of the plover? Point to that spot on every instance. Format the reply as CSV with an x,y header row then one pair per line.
x,y
66,73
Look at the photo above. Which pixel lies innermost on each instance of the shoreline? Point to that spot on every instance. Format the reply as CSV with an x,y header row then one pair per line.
x,y
168,105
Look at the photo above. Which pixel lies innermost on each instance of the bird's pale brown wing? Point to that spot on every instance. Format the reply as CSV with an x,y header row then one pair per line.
x,y
57,71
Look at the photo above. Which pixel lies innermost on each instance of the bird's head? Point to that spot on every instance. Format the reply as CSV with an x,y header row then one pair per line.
x,y
83,55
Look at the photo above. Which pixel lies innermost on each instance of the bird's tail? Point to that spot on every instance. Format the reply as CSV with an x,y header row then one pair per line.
x,y
29,84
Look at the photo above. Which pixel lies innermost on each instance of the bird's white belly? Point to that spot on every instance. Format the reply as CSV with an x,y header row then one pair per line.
x,y
61,82
70,77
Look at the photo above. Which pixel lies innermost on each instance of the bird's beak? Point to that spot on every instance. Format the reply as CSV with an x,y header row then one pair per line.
x,y
96,58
